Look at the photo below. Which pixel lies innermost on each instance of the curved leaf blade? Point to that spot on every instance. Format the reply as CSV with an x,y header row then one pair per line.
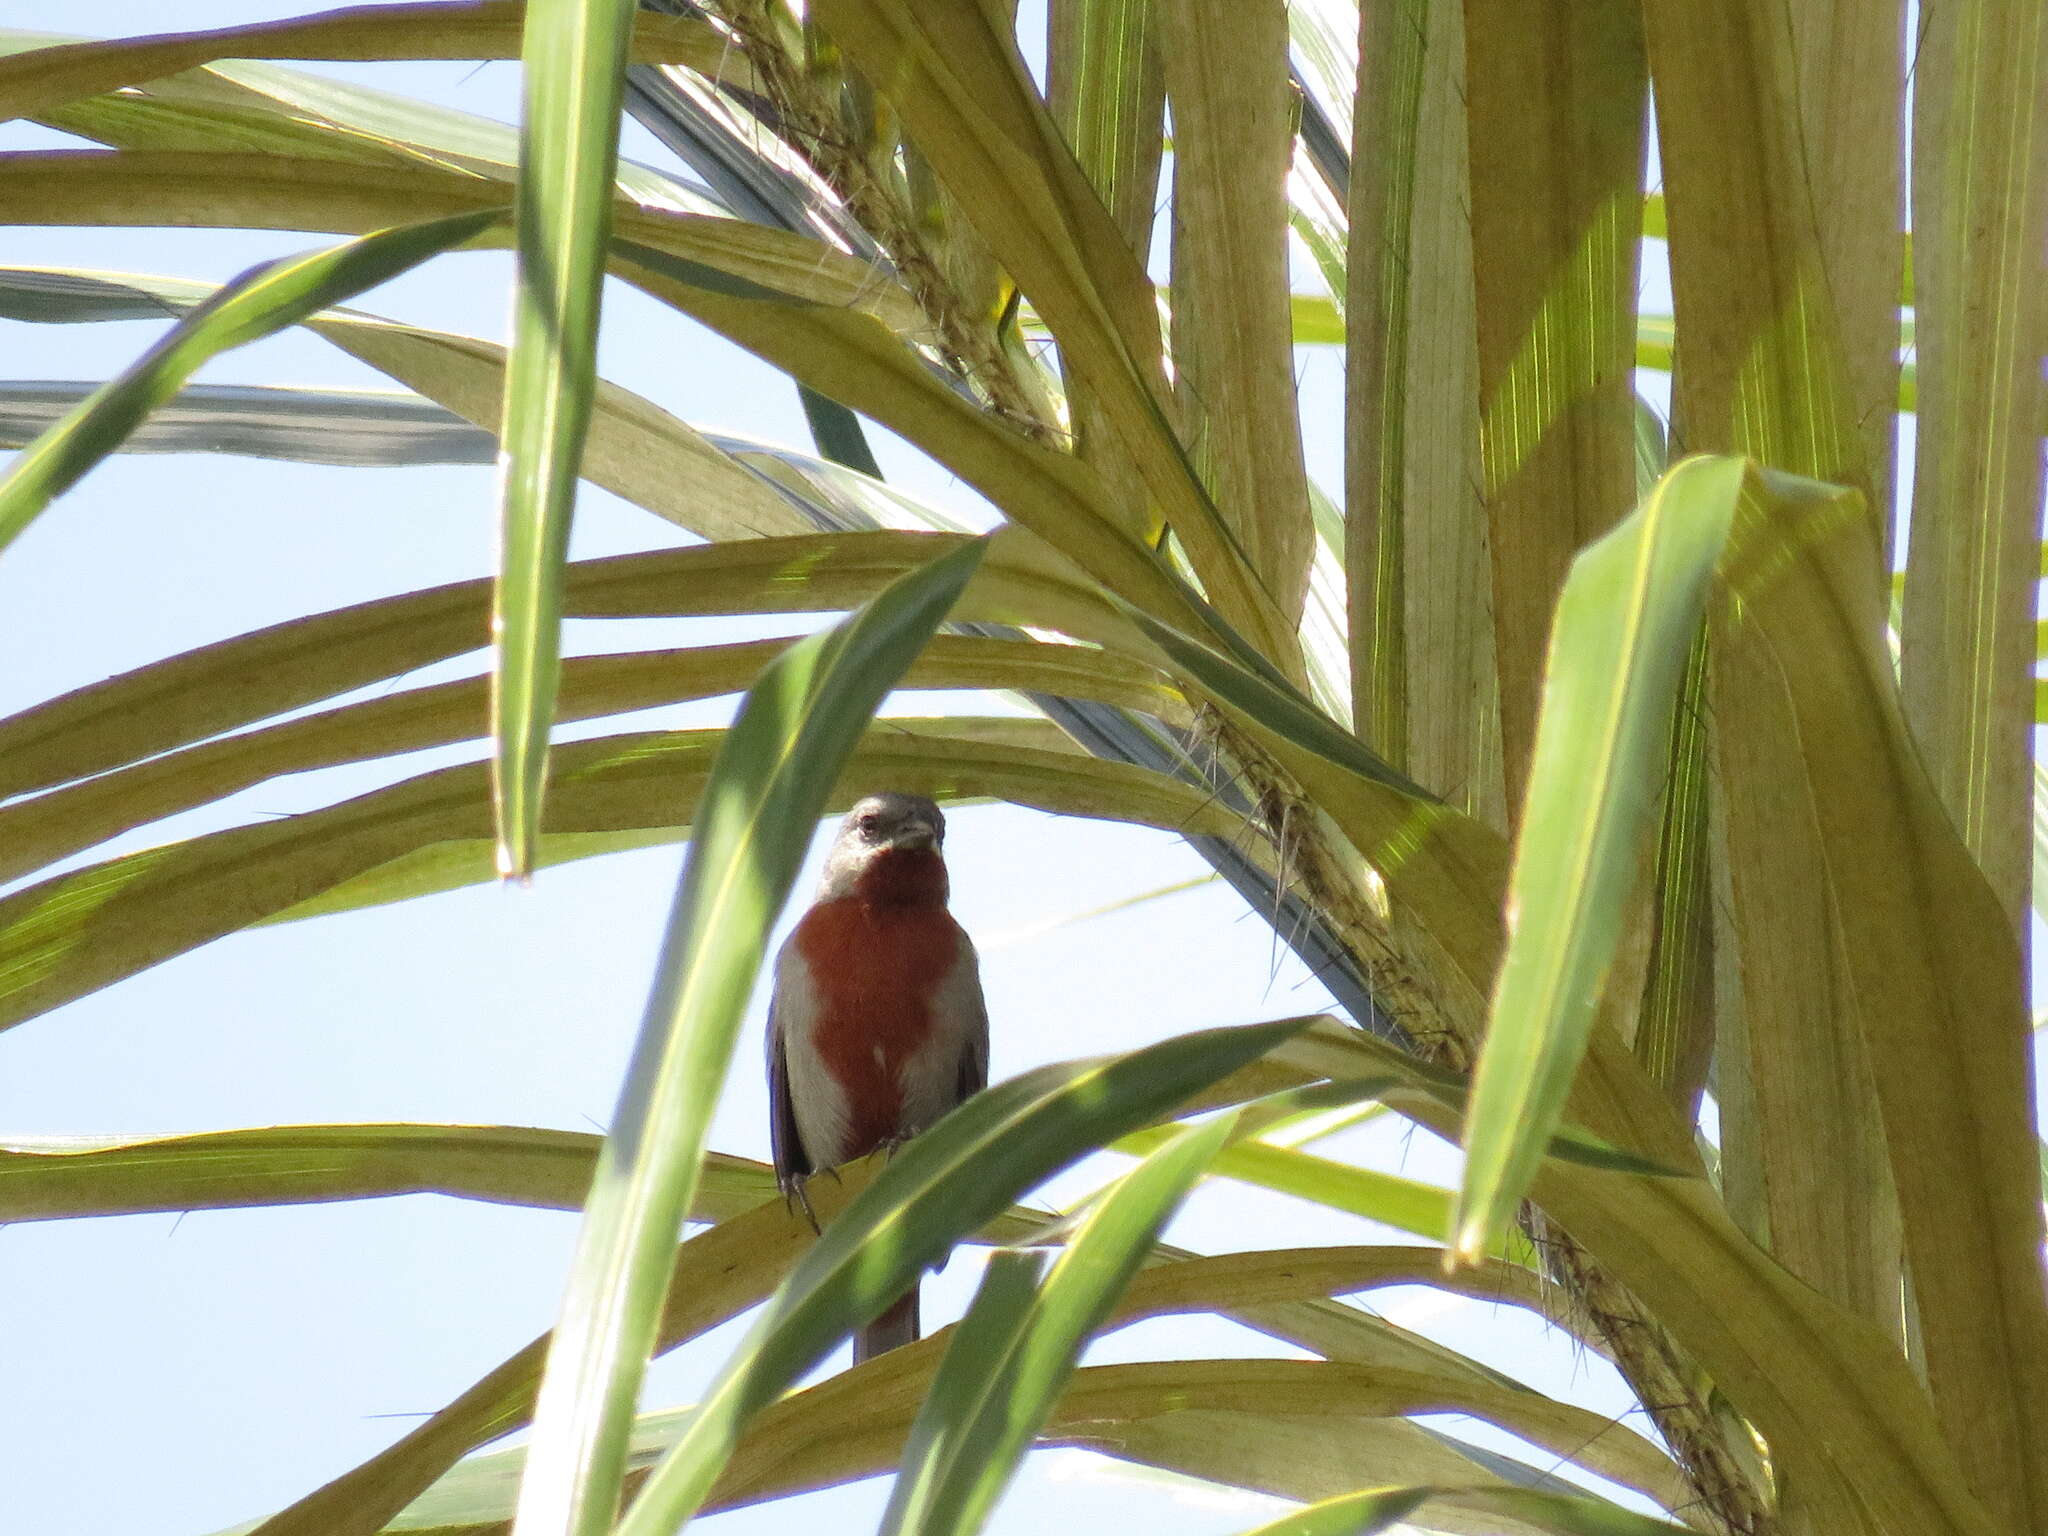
x,y
1306,1456
274,191
1832,1396
1352,1514
61,1178
68,1177
1018,1344
853,1424
76,932
1624,626
1377,1509
262,301
34,81
955,75
235,682
37,832
352,428
574,53
634,449
949,1180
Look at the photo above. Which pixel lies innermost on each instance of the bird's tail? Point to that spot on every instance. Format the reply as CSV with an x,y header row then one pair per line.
x,y
896,1326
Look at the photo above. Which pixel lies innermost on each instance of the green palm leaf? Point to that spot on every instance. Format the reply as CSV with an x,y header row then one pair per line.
x,y
1018,1344
1624,626
575,56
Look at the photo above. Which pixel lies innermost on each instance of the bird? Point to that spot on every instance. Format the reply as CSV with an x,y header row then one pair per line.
x,y
876,1021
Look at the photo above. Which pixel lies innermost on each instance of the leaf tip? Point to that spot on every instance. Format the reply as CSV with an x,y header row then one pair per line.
x,y
1472,1242
515,862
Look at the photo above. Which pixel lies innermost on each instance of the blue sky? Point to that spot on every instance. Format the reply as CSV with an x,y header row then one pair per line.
x,y
174,1375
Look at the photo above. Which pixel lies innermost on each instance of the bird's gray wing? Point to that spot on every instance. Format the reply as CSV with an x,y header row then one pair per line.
x,y
974,1045
792,1161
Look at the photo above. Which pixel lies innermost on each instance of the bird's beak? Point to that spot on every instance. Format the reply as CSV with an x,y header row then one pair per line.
x,y
914,839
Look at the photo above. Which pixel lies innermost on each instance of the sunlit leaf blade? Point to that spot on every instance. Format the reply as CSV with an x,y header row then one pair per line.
x,y
1555,109
1932,982
242,105
634,449
1018,1344
32,83
1764,370
188,115
1105,89
955,75
1851,58
81,930
1676,1024
575,55
855,1422
1374,1510
1424,577
237,682
723,1273
957,1398
1404,1204
1835,1399
1307,1447
863,365
1351,1514
1448,868
256,191
1625,624
716,1275
1373,328
825,321
1226,71
261,302
59,1178
1804,1159
774,772
947,1181
37,832
1980,202
354,428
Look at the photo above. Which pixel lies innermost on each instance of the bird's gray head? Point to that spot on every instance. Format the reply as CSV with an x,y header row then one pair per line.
x,y
894,833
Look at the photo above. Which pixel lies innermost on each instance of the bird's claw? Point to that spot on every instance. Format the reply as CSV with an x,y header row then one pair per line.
x,y
796,1198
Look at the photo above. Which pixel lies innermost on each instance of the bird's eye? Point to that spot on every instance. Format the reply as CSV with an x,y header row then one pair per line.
x,y
870,825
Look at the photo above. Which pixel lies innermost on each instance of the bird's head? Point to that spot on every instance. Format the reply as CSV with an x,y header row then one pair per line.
x,y
888,850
